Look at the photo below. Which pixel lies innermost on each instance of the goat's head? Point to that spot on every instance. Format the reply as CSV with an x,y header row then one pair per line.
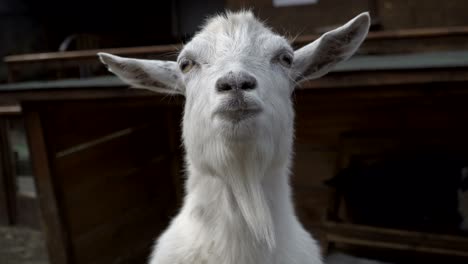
x,y
237,75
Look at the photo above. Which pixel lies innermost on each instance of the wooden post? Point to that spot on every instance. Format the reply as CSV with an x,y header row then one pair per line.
x,y
56,234
7,183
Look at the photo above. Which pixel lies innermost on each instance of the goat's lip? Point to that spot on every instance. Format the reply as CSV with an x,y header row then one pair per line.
x,y
237,108
236,112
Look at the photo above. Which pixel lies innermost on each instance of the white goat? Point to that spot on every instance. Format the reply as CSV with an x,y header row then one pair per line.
x,y
237,77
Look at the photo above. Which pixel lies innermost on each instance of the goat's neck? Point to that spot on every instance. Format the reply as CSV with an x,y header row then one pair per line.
x,y
242,191
208,189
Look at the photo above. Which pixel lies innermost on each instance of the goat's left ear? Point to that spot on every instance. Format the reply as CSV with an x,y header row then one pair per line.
x,y
319,57
158,76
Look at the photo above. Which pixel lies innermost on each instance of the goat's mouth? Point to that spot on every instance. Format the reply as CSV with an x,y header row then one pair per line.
x,y
238,114
237,109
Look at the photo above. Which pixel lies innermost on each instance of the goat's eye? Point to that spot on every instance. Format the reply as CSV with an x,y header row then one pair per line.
x,y
186,65
286,59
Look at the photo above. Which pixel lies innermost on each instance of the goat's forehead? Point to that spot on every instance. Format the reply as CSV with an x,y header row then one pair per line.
x,y
235,32
234,24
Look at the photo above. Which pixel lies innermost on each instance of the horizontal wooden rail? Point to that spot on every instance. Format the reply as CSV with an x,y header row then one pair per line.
x,y
394,239
404,34
7,110
171,49
90,54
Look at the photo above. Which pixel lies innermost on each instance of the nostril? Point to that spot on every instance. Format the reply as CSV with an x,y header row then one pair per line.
x,y
247,81
223,86
249,85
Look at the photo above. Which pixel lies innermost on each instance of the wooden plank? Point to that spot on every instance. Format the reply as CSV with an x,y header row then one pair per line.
x,y
382,98
399,14
91,54
54,226
130,233
5,214
404,62
409,33
141,207
397,239
322,118
99,164
102,203
85,94
69,83
381,78
116,164
104,118
395,246
7,183
149,187
10,110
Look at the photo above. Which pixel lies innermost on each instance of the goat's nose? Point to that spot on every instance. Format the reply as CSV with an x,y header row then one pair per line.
x,y
236,81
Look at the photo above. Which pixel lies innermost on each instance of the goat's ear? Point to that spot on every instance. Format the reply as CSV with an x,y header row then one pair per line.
x,y
319,57
154,75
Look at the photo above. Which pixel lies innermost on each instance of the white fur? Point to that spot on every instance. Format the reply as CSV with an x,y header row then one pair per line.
x,y
238,207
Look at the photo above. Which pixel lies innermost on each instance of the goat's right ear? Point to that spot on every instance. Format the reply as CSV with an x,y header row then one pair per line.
x,y
154,75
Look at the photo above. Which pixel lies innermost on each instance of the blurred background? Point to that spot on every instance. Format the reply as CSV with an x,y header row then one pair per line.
x,y
91,171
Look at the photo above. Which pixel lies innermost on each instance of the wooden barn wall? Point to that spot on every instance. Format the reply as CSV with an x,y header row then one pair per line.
x,y
331,124
391,14
304,19
398,14
114,167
